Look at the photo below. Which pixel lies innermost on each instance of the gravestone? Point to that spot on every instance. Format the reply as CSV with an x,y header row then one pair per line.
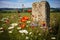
x,y
41,13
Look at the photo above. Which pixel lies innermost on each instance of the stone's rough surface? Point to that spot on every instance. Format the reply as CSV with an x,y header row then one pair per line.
x,y
41,13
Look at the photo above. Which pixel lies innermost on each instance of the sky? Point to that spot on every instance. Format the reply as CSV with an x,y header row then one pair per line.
x,y
27,3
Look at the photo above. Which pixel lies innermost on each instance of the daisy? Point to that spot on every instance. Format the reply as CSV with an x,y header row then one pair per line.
x,y
1,31
27,37
18,28
1,28
53,37
28,21
14,24
10,31
23,31
11,27
30,33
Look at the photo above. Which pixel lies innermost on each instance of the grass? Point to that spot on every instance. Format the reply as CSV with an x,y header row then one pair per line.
x,y
13,17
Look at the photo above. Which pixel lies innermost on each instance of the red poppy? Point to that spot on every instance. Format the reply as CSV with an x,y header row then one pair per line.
x,y
22,25
44,24
29,10
25,18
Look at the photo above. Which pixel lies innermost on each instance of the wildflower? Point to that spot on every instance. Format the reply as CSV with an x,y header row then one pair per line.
x,y
18,28
27,37
14,24
23,20
10,31
1,28
22,25
39,34
42,27
25,17
33,24
29,10
23,31
1,31
30,33
28,21
43,23
53,37
3,19
11,27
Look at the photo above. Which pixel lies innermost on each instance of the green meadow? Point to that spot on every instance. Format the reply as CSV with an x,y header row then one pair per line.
x,y
36,32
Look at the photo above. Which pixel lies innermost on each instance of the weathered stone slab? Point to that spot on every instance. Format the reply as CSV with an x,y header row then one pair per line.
x,y
41,13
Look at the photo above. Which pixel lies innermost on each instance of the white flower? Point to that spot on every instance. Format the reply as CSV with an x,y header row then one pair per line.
x,y
1,28
14,24
30,33
10,27
1,31
27,37
28,21
53,37
3,19
41,27
10,31
23,31
39,34
45,27
18,28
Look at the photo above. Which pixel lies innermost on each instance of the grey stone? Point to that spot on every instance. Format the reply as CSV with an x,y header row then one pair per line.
x,y
41,13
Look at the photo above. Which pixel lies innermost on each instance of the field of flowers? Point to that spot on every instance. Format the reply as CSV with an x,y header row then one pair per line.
x,y
19,26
